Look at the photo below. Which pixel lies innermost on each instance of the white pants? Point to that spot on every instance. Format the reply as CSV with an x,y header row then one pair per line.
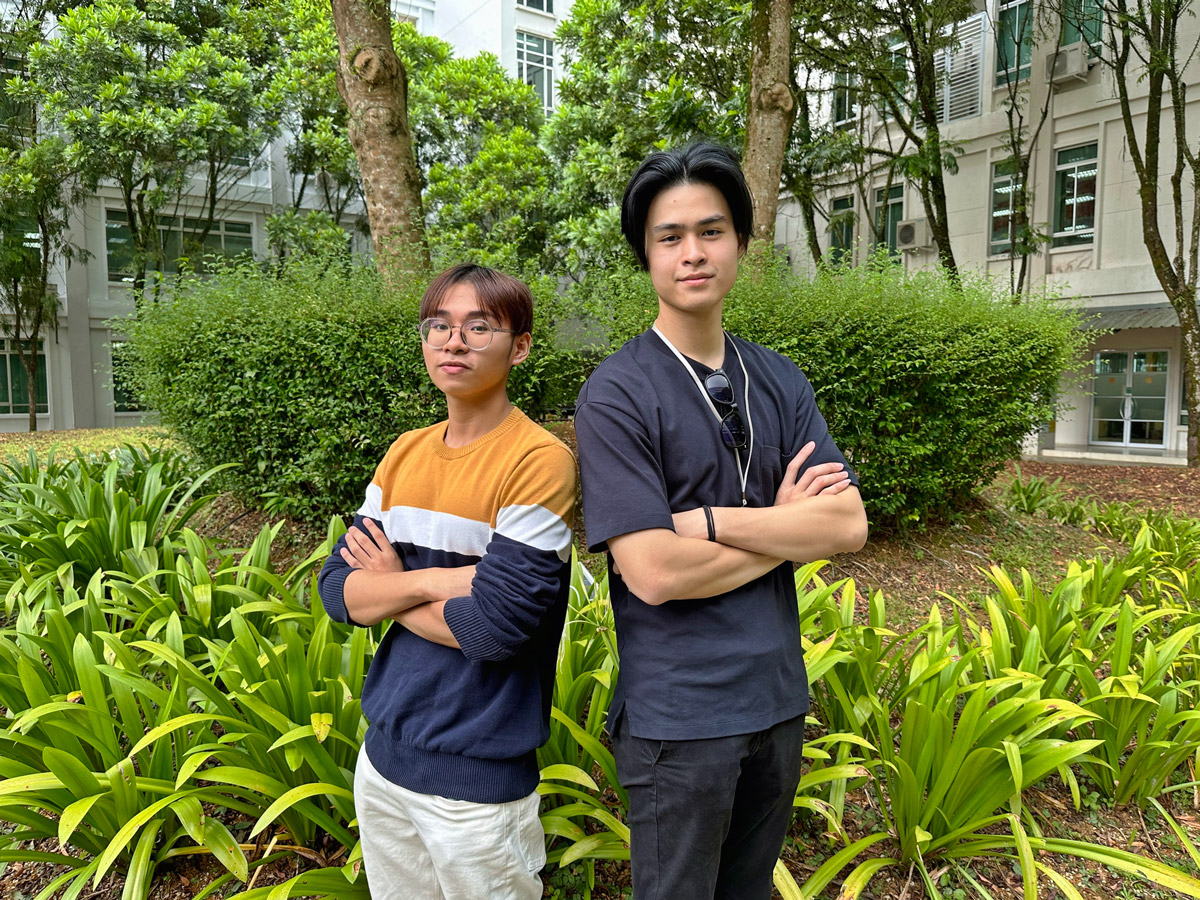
x,y
424,847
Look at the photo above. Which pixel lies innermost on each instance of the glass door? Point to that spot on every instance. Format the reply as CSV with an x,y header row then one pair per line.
x,y
1129,402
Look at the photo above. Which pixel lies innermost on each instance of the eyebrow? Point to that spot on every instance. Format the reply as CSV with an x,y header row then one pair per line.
x,y
675,226
473,314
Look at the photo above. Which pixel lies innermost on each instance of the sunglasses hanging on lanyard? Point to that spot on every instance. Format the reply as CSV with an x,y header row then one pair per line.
x,y
731,431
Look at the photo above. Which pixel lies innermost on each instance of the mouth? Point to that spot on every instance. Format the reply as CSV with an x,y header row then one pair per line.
x,y
695,279
453,368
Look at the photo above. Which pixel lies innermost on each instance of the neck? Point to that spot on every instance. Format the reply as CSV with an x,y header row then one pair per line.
x,y
471,418
697,335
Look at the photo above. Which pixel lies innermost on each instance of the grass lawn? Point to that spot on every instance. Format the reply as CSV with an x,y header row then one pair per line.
x,y
86,440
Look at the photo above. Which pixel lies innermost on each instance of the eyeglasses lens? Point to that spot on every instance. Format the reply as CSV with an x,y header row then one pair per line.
x,y
718,387
476,334
733,430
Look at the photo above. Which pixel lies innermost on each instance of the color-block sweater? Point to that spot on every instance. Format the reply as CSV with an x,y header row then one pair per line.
x,y
464,723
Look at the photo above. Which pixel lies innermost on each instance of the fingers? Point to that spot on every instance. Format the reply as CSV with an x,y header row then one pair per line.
x,y
351,561
816,473
789,476
837,487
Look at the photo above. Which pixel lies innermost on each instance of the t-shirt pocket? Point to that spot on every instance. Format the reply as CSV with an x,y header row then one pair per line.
x,y
766,474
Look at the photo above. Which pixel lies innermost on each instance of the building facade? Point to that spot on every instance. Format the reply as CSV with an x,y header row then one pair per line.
x,y
75,387
1085,196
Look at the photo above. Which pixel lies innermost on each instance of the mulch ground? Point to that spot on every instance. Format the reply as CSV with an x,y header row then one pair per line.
x,y
1160,487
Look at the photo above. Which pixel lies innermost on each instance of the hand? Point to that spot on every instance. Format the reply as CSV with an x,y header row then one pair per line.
x,y
825,478
691,524
371,550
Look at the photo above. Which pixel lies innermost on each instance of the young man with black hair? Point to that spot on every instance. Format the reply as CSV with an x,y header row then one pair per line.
x,y
706,468
464,541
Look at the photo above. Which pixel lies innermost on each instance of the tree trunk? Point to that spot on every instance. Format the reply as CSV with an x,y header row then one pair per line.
x,y
771,110
374,85
30,361
1189,330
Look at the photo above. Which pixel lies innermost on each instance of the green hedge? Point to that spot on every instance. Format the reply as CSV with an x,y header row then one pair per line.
x,y
306,378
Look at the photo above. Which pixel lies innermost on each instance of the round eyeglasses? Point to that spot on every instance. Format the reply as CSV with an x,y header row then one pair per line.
x,y
733,430
476,333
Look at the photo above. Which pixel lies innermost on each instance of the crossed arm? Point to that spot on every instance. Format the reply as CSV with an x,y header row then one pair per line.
x,y
816,514
380,588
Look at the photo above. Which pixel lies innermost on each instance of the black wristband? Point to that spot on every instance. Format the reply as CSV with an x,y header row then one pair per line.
x,y
712,528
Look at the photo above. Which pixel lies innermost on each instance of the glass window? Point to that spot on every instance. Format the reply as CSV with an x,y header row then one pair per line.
x,y
14,383
845,100
541,5
1075,196
16,117
180,239
124,399
1014,41
889,210
841,228
535,66
1005,183
1082,21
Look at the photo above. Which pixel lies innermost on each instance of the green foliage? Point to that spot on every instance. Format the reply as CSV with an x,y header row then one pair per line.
x,y
639,77
303,378
927,387
184,698
146,97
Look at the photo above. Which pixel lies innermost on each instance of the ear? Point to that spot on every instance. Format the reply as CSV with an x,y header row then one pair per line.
x,y
520,349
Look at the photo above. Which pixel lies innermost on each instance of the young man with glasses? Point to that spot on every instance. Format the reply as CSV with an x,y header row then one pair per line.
x,y
706,469
464,542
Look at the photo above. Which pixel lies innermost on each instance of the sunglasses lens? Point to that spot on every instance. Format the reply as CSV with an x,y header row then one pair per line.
x,y
719,388
733,432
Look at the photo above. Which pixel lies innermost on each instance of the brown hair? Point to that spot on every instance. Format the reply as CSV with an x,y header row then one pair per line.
x,y
501,296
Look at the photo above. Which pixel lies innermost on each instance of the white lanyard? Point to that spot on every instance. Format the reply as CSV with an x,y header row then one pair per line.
x,y
743,473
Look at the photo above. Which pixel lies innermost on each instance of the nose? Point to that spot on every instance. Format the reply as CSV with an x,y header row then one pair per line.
x,y
455,343
693,250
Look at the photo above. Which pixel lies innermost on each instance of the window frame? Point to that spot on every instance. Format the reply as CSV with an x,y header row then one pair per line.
x,y
841,234
12,365
1003,248
883,217
176,228
547,4
1023,12
1060,236
525,65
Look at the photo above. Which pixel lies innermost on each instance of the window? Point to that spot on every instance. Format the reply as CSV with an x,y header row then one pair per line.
x,y
180,239
959,68
1075,196
16,117
1082,21
889,210
1014,41
1005,184
841,228
845,100
535,66
540,5
124,399
14,383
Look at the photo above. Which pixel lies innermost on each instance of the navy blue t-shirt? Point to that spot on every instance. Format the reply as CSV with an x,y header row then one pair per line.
x,y
649,446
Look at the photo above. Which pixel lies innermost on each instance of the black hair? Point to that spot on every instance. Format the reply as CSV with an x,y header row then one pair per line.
x,y
700,162
507,299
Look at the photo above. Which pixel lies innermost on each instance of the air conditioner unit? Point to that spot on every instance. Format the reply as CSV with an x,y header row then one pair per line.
x,y
913,234
1070,63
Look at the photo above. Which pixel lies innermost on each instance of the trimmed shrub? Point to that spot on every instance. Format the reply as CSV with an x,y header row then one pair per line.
x,y
927,387
305,377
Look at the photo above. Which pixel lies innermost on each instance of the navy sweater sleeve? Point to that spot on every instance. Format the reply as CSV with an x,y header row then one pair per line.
x,y
520,578
331,582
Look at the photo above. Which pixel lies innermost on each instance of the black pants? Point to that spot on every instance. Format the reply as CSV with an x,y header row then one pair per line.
x,y
707,818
